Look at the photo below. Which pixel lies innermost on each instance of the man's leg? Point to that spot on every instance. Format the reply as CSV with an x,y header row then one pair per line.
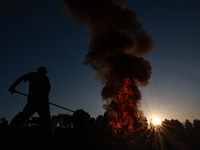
x,y
28,111
46,122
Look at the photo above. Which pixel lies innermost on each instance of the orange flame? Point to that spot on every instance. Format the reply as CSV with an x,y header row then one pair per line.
x,y
125,121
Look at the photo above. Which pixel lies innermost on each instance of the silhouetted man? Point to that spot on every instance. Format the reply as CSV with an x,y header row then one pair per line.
x,y
38,99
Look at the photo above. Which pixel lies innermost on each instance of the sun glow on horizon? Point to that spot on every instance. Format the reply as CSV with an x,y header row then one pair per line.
x,y
156,121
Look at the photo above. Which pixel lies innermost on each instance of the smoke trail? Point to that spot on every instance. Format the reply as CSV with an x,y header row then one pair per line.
x,y
8,5
118,41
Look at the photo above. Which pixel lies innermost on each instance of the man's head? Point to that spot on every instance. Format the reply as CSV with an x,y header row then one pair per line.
x,y
42,70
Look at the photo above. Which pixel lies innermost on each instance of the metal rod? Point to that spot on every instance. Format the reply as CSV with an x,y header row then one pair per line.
x,y
49,102
192,114
21,93
61,107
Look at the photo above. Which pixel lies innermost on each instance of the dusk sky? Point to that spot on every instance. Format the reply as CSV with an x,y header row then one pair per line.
x,y
43,33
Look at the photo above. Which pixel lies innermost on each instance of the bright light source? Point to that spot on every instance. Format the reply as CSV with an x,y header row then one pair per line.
x,y
156,121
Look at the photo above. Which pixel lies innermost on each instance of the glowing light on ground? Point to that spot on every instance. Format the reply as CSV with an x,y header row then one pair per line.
x,y
156,121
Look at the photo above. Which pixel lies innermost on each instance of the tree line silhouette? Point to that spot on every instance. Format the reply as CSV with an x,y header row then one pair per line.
x,y
82,128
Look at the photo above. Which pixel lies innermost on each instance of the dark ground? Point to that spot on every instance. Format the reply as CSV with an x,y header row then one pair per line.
x,y
63,139
94,139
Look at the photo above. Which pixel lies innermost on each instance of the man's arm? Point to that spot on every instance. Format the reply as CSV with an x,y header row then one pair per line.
x,y
18,81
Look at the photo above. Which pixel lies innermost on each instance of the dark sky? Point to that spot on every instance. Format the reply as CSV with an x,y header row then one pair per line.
x,y
43,33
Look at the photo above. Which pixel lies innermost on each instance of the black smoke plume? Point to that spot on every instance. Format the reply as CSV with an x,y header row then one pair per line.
x,y
118,41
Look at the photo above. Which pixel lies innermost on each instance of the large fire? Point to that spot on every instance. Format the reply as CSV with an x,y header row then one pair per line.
x,y
118,43
125,121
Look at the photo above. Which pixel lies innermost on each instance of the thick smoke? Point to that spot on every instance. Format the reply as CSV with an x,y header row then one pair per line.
x,y
9,5
118,41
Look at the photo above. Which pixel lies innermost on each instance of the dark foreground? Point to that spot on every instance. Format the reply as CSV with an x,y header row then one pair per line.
x,y
63,139
71,139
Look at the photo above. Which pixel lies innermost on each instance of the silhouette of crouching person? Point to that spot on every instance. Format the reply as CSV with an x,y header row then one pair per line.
x,y
38,100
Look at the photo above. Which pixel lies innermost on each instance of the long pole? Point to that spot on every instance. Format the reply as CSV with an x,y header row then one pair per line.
x,y
192,114
49,102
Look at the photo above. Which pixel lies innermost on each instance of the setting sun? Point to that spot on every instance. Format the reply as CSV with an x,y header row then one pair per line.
x,y
156,121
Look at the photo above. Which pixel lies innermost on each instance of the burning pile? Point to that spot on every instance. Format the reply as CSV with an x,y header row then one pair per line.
x,y
124,117
118,41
